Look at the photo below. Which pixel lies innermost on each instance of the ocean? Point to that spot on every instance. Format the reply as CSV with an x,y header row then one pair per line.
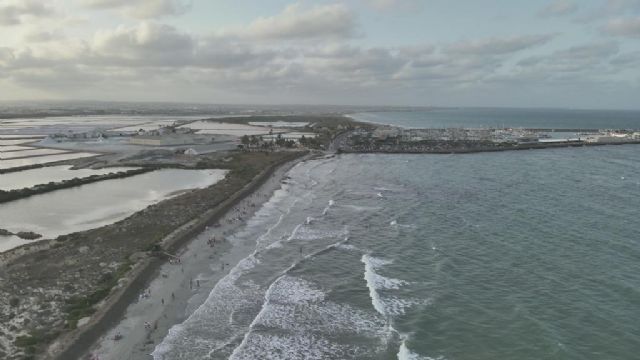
x,y
511,255
505,117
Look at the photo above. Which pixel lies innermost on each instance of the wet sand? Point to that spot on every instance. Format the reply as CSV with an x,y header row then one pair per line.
x,y
179,288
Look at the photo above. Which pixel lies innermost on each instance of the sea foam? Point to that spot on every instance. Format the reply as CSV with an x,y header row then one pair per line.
x,y
305,322
387,305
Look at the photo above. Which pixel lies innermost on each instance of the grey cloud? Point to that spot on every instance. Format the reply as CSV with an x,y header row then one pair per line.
x,y
627,59
384,5
159,45
142,9
559,8
147,44
622,6
216,52
61,76
297,22
611,9
13,12
591,51
132,59
39,36
627,27
591,60
499,46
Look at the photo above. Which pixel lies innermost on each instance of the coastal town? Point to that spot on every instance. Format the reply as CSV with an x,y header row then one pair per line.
x,y
387,139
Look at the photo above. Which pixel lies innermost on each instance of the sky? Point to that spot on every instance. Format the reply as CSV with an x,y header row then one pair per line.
x,y
504,53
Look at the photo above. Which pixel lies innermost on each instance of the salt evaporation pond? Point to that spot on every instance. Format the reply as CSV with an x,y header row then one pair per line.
x,y
8,164
10,148
29,178
8,142
221,128
30,152
93,205
32,137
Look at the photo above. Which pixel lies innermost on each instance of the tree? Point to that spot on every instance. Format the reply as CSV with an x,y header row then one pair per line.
x,y
245,140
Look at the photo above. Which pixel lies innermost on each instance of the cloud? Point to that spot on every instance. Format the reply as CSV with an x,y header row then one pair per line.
x,y
499,46
15,12
627,60
297,22
559,8
36,35
141,9
146,44
611,9
275,61
627,27
622,6
393,4
590,60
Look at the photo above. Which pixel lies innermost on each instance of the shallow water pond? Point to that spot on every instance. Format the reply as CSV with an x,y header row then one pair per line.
x,y
96,204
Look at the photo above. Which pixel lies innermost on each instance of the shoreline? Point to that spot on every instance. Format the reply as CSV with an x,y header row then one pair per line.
x,y
170,297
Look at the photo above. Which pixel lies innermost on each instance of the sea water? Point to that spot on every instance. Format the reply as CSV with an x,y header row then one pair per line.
x,y
505,117
512,255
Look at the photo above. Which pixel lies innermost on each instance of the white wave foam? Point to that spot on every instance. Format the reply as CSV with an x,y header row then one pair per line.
x,y
308,234
383,189
294,346
388,305
359,208
294,291
405,354
297,308
370,277
348,247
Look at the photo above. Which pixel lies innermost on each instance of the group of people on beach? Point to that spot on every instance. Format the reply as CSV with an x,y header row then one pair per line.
x,y
211,241
145,295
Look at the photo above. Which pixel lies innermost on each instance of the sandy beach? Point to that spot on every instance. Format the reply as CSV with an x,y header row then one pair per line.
x,y
180,287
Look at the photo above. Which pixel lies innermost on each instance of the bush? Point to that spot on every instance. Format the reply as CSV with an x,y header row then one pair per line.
x,y
14,302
